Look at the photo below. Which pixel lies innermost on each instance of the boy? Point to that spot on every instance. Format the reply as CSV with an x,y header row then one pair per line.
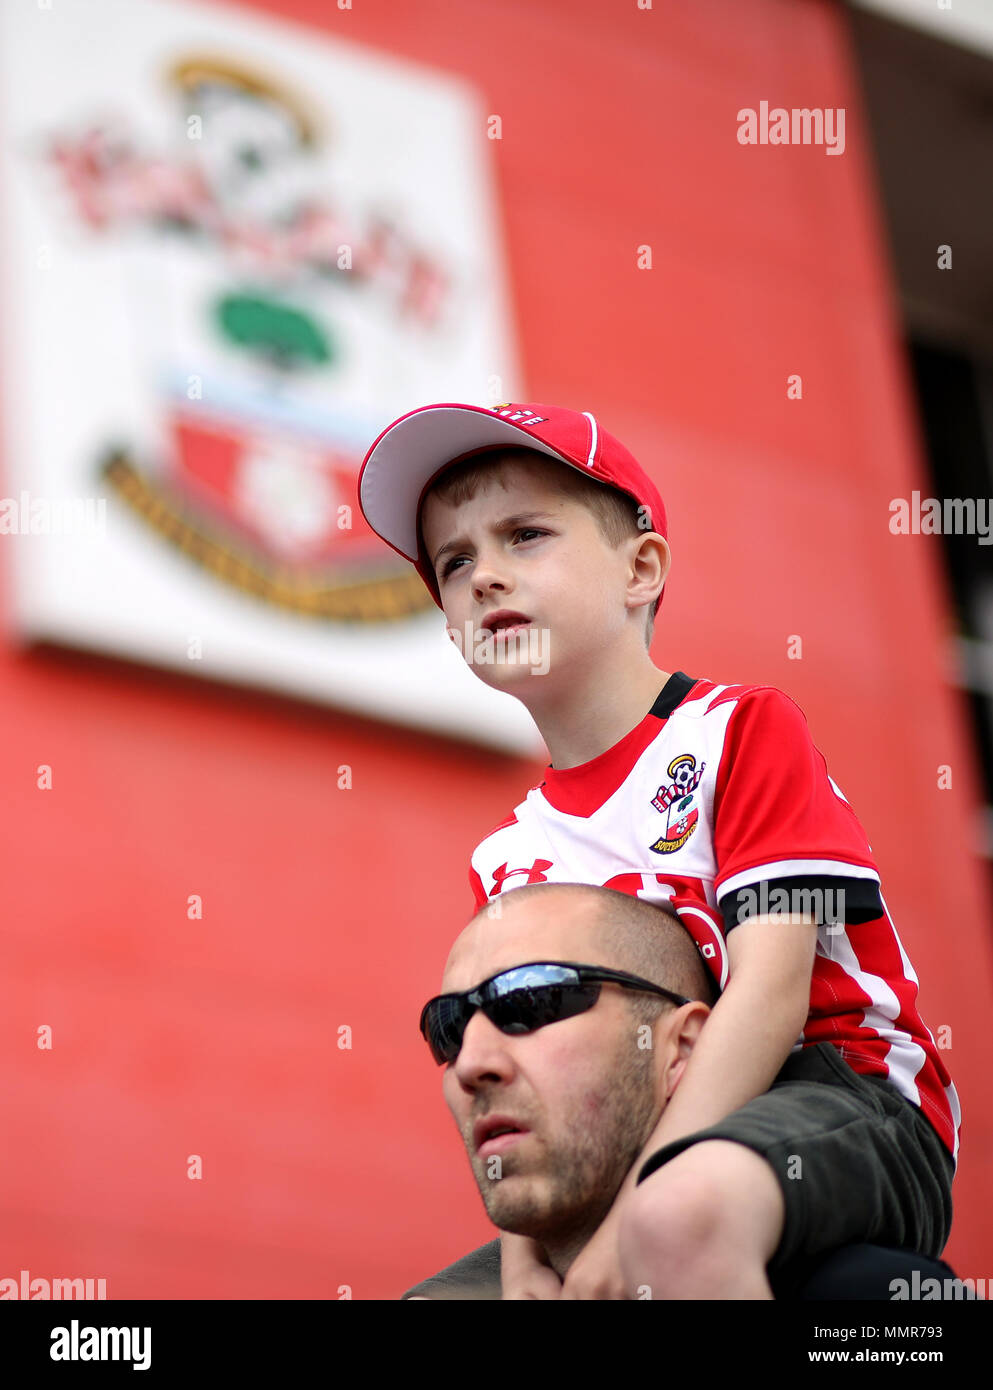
x,y
816,1109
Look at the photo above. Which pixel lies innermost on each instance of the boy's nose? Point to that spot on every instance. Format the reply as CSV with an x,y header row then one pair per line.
x,y
488,575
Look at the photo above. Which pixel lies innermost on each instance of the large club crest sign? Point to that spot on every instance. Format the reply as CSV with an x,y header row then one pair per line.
x,y
234,253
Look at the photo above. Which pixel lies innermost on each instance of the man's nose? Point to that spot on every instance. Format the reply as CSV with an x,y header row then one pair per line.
x,y
484,1052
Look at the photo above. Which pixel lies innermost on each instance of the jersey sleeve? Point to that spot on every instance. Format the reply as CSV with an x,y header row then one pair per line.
x,y
783,833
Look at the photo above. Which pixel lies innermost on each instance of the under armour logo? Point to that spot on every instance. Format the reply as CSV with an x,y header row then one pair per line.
x,y
536,874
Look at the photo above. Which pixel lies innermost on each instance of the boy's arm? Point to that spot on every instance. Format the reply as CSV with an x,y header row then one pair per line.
x,y
751,1028
779,821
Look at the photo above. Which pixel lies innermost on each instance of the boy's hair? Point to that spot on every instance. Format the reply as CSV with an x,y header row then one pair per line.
x,y
616,513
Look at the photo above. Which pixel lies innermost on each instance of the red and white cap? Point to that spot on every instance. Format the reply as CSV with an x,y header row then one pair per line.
x,y
415,450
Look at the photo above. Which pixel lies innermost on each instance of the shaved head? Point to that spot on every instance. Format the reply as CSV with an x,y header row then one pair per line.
x,y
622,931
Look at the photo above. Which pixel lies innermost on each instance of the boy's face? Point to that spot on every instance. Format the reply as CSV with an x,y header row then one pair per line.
x,y
529,584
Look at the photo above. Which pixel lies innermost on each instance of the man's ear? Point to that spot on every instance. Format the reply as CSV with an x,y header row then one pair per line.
x,y
684,1026
650,562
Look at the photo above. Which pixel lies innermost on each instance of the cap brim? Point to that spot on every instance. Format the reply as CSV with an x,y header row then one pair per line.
x,y
418,447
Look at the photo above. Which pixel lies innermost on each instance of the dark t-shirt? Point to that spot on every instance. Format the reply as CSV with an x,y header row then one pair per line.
x,y
474,1276
862,1272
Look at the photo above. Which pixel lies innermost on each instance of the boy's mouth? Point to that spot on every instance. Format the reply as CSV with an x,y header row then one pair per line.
x,y
504,619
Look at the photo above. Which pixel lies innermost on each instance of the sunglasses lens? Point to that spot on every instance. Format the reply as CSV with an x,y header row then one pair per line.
x,y
444,1025
518,1001
524,1010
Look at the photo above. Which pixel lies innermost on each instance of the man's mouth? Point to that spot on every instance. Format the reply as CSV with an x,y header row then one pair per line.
x,y
495,1134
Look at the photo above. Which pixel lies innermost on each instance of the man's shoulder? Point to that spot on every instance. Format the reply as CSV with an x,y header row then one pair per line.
x,y
475,1276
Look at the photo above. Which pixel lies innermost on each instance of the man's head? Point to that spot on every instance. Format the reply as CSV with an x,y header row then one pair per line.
x,y
585,1092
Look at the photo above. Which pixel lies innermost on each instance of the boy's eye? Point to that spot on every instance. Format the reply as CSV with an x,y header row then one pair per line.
x,y
449,565
523,533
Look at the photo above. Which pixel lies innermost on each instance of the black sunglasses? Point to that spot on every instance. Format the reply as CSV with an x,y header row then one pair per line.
x,y
523,999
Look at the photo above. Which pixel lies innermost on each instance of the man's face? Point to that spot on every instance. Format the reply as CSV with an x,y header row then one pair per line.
x,y
523,557
581,1093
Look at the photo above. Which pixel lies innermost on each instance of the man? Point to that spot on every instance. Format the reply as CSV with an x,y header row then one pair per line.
x,y
556,1083
582,1095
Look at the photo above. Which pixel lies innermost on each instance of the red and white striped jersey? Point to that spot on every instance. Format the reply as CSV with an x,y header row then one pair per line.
x,y
719,804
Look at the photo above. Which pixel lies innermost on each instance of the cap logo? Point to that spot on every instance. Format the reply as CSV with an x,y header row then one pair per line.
x,y
593,440
517,415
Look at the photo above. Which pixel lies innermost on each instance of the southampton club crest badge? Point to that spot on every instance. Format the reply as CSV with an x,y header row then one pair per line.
x,y
674,800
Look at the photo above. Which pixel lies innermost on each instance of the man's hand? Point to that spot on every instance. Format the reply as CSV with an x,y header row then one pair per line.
x,y
524,1269
596,1270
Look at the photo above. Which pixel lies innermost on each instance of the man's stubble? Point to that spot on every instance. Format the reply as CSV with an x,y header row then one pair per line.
x,y
561,1194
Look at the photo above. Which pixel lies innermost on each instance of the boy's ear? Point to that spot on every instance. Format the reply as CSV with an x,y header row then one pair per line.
x,y
651,559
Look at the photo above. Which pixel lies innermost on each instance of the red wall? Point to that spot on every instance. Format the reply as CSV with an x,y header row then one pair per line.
x,y
326,1167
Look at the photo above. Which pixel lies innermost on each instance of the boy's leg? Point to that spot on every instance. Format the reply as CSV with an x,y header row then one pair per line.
x,y
854,1162
705,1226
